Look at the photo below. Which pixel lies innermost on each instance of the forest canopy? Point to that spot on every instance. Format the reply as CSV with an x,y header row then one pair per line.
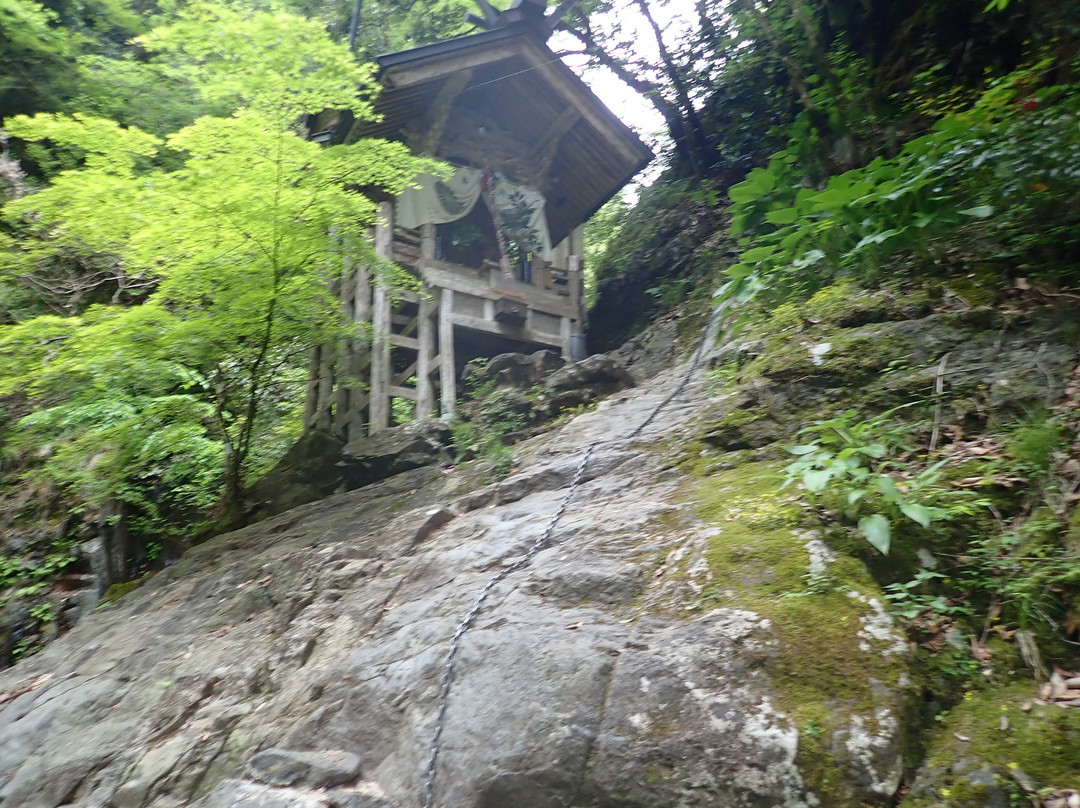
x,y
164,291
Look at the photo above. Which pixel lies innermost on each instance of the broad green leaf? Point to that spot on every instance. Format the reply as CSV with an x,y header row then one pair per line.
x,y
917,513
888,488
875,238
877,531
978,212
755,254
739,271
816,480
804,449
809,259
782,216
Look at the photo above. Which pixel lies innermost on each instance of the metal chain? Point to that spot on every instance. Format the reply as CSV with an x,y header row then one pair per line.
x,y
455,643
524,561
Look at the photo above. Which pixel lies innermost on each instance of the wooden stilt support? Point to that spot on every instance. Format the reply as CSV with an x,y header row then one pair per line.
x,y
425,394
360,355
324,413
446,353
379,405
380,362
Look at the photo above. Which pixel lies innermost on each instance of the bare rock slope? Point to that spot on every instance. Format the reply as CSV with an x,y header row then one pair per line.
x,y
298,662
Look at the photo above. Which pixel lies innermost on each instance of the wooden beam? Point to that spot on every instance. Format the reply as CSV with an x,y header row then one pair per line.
x,y
400,341
447,371
444,275
425,392
405,375
408,325
439,111
402,392
421,72
548,144
513,332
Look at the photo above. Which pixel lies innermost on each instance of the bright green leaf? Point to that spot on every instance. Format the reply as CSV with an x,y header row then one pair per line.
x,y
877,531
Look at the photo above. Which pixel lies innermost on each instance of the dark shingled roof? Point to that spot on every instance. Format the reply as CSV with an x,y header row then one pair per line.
x,y
516,109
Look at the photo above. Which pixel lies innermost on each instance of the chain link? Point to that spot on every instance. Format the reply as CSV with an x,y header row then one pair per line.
x,y
524,561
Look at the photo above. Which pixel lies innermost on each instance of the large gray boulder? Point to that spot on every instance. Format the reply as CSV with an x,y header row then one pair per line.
x,y
392,451
298,662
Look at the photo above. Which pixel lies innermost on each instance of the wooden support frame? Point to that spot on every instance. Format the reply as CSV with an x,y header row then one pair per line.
x,y
447,369
425,392
439,112
379,405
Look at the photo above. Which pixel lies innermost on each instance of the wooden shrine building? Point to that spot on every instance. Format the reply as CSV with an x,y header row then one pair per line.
x,y
497,246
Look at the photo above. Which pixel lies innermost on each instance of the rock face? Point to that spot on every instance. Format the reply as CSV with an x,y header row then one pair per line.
x,y
392,451
297,662
512,369
320,465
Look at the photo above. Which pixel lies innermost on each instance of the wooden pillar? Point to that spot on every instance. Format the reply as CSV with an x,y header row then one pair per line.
x,y
427,241
323,412
379,404
574,281
360,355
565,332
425,337
446,353
577,277
340,423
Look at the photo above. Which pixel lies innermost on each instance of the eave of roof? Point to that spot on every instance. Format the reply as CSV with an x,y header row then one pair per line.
x,y
594,161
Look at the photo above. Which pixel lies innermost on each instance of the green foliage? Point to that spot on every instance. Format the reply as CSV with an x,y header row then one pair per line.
x,y
854,461
276,64
402,410
236,237
601,237
43,612
490,420
909,599
997,178
30,575
1031,445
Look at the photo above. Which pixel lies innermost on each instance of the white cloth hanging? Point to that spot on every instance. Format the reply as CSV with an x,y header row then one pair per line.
x,y
438,201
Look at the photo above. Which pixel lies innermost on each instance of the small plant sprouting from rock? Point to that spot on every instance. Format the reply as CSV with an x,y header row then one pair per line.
x,y
849,467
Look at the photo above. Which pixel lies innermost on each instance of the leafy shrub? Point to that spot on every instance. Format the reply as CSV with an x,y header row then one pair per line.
x,y
850,458
1001,180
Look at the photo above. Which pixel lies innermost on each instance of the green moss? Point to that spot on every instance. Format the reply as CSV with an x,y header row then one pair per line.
x,y
851,358
844,305
982,287
117,591
818,668
1072,533
1040,745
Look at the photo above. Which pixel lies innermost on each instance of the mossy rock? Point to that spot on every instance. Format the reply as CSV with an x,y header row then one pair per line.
x,y
839,668
997,745
830,358
741,423
844,305
117,591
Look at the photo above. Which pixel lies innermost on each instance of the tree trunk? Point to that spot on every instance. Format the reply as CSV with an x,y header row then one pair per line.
x,y
673,116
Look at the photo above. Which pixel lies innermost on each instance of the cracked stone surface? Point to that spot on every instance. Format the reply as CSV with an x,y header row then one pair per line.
x,y
297,662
